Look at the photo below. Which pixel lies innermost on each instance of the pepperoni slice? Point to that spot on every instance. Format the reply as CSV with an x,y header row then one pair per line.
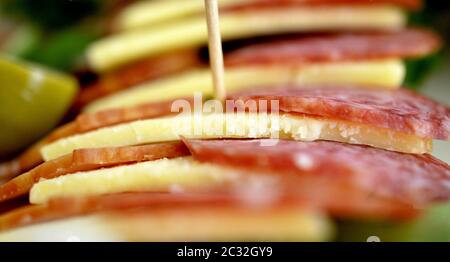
x,y
91,121
415,179
408,43
89,159
412,5
401,110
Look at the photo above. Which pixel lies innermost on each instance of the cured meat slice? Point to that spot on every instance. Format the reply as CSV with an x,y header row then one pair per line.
x,y
415,179
408,43
335,202
413,5
84,123
91,121
148,69
32,156
401,110
89,159
67,207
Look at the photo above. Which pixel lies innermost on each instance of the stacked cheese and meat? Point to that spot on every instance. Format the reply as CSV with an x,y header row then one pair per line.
x,y
338,137
156,54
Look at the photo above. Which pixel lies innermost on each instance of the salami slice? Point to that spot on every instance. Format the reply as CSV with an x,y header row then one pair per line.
x,y
91,121
413,5
335,202
415,179
89,159
408,43
401,110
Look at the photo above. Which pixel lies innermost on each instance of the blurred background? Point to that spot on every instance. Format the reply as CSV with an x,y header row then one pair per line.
x,y
55,33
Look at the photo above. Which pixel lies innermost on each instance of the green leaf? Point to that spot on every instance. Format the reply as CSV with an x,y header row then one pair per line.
x,y
419,70
63,49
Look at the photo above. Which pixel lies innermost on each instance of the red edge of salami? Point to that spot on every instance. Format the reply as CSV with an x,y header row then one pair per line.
x,y
401,110
303,49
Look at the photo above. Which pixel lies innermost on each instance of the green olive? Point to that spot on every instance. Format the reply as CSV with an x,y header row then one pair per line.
x,y
33,99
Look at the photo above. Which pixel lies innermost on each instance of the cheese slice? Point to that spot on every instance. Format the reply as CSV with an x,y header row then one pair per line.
x,y
387,74
214,224
130,46
228,224
152,176
238,125
149,13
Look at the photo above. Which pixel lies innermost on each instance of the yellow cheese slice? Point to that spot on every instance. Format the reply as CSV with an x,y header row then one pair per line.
x,y
153,176
238,125
148,13
130,46
227,224
196,225
384,74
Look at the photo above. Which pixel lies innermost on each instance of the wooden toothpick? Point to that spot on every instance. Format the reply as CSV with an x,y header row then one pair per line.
x,y
215,49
